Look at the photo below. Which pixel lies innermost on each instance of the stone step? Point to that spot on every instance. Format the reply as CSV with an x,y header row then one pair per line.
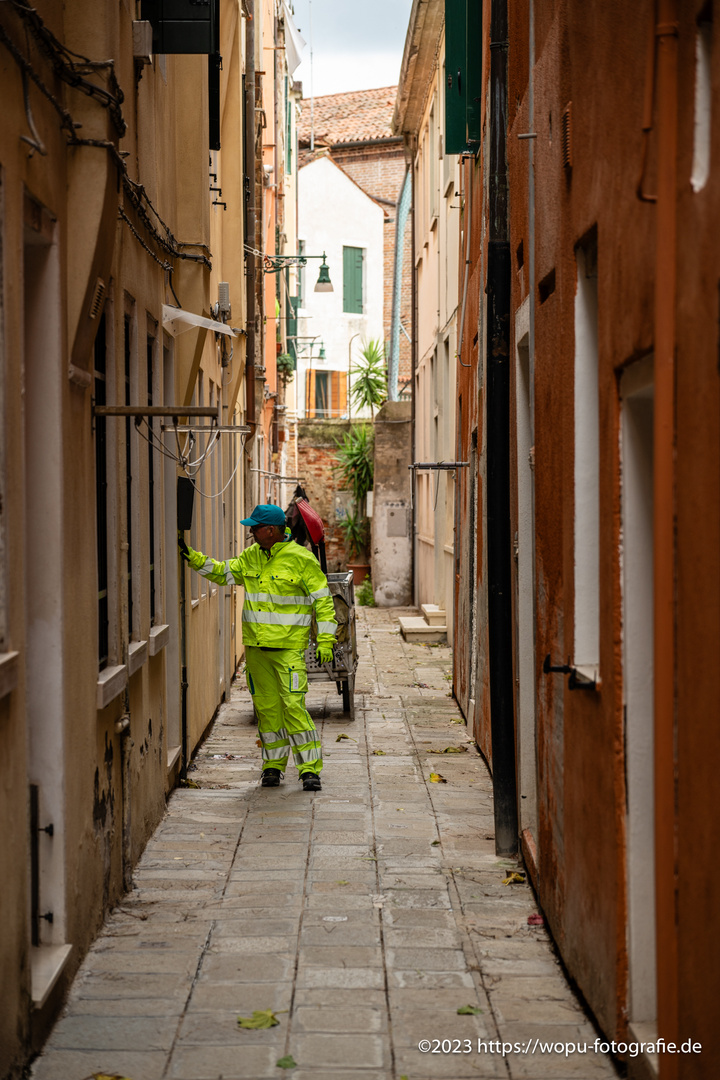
x,y
434,615
414,628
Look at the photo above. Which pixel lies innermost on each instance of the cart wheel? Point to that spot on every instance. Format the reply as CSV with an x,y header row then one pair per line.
x,y
348,693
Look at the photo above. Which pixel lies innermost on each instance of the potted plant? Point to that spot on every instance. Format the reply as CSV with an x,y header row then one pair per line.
x,y
285,366
355,466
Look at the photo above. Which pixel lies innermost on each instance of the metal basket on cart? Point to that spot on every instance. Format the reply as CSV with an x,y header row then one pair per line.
x,y
345,654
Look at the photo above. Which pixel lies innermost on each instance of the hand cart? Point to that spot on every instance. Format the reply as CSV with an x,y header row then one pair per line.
x,y
345,653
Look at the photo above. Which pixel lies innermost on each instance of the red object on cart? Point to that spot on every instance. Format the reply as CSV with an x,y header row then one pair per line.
x,y
315,528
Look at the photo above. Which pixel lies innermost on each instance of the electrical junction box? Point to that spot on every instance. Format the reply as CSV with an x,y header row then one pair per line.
x,y
183,26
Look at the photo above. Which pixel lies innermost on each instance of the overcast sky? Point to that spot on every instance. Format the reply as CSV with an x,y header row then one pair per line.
x,y
356,46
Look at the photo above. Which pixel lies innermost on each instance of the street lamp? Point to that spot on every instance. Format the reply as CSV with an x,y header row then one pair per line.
x,y
273,264
324,284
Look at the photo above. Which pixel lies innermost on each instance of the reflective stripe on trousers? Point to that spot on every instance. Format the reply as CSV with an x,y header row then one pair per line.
x,y
277,679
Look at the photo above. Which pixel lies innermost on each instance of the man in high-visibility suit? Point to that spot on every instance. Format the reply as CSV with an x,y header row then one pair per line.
x,y
283,584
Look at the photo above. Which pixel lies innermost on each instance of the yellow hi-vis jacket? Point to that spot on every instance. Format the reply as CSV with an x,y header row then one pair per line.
x,y
282,588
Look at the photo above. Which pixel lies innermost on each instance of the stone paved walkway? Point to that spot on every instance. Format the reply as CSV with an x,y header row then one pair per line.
x,y
364,915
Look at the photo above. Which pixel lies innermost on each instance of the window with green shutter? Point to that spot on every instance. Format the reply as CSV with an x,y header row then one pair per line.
x,y
463,75
353,280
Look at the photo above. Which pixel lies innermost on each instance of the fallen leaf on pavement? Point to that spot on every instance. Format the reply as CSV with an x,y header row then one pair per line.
x,y
469,1010
436,778
514,878
287,1062
379,753
343,736
435,843
260,1019
189,783
106,1076
450,750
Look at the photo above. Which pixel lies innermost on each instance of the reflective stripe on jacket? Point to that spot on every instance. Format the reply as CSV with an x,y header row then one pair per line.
x,y
282,588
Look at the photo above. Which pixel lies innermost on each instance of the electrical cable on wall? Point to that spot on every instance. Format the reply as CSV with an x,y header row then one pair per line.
x,y
67,70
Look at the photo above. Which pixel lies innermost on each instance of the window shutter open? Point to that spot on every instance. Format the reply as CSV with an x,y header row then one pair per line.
x,y
310,393
463,75
342,393
353,280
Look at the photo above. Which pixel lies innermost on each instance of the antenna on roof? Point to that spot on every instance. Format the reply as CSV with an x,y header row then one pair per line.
x,y
312,99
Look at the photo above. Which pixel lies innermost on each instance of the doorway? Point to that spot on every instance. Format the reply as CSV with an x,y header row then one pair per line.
x,y
525,601
44,614
637,417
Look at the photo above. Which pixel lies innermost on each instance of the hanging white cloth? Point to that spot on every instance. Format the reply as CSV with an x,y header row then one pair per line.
x,y
294,41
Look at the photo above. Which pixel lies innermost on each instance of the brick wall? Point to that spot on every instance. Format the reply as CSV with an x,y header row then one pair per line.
x,y
317,453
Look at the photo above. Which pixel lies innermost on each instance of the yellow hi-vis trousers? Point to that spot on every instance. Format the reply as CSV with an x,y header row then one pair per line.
x,y
277,679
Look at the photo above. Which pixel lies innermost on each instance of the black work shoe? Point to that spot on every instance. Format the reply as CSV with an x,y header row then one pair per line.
x,y
270,778
310,781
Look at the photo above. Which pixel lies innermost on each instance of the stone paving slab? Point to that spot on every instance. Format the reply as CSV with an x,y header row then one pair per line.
x,y
364,915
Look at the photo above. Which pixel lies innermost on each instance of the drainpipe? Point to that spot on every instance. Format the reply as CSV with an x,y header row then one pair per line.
x,y
413,369
183,675
401,215
502,717
251,262
666,32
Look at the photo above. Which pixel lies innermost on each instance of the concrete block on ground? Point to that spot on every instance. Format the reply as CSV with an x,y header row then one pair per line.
x,y
414,628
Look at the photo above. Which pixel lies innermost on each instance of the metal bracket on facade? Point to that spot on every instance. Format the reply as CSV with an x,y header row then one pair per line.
x,y
155,410
208,429
449,465
576,681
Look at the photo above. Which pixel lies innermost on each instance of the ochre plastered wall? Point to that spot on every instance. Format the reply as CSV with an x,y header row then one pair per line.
x,y
109,789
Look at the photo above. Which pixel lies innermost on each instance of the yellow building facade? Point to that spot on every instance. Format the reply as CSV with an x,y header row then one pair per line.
x,y
125,278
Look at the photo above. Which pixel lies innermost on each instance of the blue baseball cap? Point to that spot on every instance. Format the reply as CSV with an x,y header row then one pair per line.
x,y
266,514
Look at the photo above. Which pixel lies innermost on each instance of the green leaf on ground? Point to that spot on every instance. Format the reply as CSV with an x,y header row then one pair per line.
x,y
436,778
260,1019
287,1062
344,736
469,1010
514,878
435,843
379,753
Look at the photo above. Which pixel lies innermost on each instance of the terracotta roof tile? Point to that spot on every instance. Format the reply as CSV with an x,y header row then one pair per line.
x,y
357,116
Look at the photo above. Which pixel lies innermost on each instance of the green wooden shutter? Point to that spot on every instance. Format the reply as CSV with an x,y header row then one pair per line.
x,y
463,75
183,26
353,280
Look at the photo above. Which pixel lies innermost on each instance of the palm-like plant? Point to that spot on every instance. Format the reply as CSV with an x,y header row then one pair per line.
x,y
369,385
355,461
354,528
355,466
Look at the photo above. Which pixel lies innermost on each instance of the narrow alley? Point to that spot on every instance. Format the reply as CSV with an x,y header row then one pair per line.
x,y
371,918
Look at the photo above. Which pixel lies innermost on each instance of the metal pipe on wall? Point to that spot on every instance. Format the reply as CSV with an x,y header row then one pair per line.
x,y
666,32
500,642
251,261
